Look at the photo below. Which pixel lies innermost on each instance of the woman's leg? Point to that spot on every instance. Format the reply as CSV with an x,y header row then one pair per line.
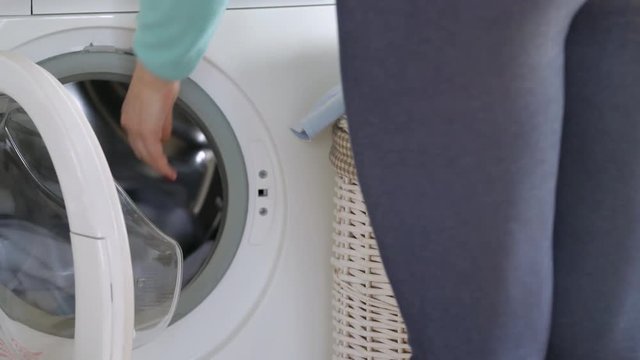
x,y
456,111
597,245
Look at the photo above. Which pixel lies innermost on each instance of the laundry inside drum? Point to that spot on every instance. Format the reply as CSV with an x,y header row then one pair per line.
x,y
191,209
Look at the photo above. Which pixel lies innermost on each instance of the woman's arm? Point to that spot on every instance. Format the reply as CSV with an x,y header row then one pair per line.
x,y
171,38
173,35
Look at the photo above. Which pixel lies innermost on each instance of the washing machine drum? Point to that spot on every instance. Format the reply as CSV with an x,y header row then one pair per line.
x,y
36,262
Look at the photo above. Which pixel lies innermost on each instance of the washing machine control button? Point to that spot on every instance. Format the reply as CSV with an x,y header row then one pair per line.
x,y
264,195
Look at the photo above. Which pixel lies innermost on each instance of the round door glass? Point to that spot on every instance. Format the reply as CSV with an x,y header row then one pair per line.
x,y
37,289
37,299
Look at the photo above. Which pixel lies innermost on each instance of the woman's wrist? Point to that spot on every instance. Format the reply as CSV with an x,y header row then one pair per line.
x,y
142,76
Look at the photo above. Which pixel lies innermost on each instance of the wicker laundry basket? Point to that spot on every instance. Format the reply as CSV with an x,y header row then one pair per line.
x,y
366,319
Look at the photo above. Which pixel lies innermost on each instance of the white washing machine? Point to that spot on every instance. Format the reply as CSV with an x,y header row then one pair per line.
x,y
99,256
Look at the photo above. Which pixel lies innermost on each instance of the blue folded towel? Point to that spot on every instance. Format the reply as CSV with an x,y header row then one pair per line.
x,y
325,112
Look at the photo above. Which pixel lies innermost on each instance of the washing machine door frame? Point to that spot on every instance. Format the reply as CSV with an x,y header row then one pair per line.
x,y
104,326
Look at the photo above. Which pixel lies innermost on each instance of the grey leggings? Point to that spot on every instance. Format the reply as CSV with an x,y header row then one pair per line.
x,y
498,147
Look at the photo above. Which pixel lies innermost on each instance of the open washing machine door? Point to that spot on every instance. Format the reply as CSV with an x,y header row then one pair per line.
x,y
81,268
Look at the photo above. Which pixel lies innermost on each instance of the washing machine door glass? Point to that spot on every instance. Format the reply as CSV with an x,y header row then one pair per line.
x,y
80,265
31,177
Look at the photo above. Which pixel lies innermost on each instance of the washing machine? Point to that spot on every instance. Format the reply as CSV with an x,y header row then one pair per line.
x,y
100,258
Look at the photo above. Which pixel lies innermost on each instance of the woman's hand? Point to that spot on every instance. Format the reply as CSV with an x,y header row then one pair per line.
x,y
147,117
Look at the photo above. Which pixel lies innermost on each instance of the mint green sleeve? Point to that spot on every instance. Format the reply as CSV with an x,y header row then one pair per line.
x,y
173,35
